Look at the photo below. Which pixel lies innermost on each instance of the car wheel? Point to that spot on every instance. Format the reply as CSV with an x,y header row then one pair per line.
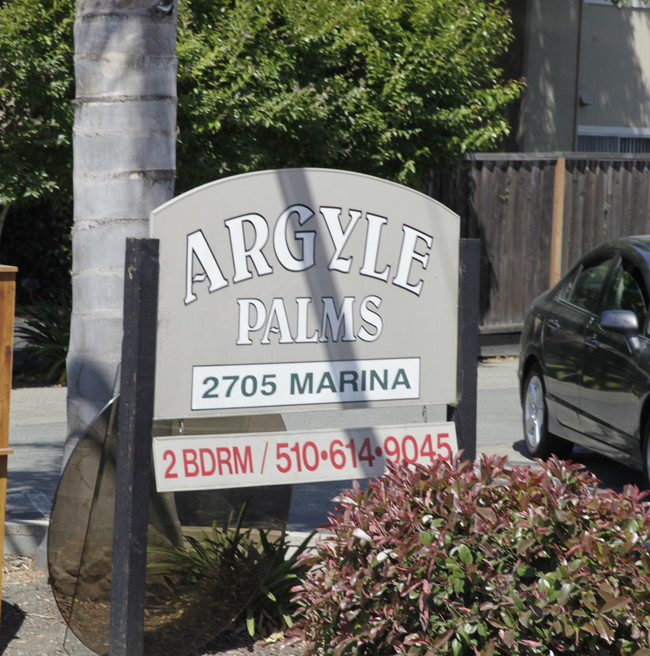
x,y
539,442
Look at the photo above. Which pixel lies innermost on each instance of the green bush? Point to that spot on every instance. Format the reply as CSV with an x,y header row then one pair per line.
x,y
36,238
219,557
46,331
481,559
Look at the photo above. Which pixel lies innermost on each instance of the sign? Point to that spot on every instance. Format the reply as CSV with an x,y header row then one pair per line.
x,y
209,462
304,383
304,288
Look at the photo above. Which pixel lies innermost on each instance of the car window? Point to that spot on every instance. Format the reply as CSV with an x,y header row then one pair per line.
x,y
628,292
584,290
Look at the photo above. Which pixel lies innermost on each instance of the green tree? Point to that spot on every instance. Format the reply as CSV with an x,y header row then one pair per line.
x,y
36,92
387,87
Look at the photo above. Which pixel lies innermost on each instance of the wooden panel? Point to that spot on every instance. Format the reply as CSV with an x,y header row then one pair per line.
x,y
506,201
7,303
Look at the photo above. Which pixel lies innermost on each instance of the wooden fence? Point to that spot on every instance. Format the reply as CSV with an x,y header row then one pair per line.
x,y
536,214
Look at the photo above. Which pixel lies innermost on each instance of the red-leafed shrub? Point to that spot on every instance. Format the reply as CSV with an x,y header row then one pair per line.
x,y
481,559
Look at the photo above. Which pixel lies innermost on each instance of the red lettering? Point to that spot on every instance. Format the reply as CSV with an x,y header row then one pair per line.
x,y
223,459
246,466
205,471
169,473
190,463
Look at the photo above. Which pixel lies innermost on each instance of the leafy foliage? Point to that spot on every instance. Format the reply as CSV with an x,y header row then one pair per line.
x,y
205,559
37,240
36,93
46,332
36,114
458,560
387,87
271,605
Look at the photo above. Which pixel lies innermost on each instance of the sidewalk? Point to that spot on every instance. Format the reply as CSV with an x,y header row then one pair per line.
x,y
37,431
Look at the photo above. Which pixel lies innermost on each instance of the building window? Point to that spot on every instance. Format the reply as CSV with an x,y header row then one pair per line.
x,y
612,140
635,4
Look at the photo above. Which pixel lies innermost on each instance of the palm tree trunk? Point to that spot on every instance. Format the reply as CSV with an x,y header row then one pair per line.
x,y
124,166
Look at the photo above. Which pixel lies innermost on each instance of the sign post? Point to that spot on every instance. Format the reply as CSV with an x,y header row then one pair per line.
x,y
463,413
132,478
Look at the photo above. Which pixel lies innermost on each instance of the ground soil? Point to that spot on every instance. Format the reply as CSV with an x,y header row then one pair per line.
x,y
31,624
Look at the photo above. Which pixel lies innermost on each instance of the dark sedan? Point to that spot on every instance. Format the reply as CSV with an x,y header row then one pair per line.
x,y
584,367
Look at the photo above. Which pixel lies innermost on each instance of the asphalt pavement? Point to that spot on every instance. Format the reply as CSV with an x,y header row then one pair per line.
x,y
37,431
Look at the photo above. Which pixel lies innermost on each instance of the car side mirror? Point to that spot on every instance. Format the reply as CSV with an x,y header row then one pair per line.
x,y
624,322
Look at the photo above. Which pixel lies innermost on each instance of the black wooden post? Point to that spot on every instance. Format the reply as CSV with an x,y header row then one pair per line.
x,y
126,633
464,413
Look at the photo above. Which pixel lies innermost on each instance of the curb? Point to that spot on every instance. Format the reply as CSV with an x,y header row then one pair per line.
x,y
28,537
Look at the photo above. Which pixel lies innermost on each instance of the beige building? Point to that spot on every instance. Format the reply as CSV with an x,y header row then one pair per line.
x,y
587,68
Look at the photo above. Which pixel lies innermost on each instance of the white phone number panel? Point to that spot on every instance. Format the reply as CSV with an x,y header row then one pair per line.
x,y
210,462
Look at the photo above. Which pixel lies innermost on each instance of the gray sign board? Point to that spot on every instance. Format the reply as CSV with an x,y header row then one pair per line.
x,y
304,288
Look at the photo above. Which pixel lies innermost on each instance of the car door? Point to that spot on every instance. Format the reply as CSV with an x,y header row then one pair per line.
x,y
609,403
563,341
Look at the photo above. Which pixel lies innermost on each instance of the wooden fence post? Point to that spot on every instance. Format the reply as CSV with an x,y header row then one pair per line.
x,y
133,460
464,413
7,303
557,228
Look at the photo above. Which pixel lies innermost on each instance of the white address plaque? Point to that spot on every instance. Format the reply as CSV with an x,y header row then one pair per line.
x,y
304,383
207,462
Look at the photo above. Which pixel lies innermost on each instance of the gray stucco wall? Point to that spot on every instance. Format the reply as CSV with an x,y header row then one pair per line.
x,y
615,66
547,116
585,64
